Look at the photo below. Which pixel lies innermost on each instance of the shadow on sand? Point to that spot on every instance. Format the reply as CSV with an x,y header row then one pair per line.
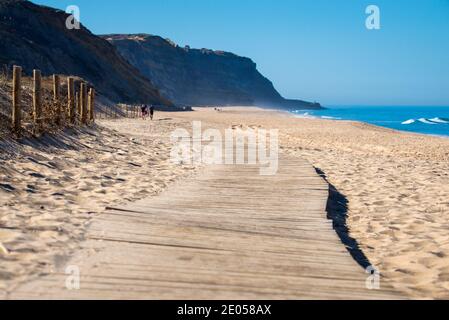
x,y
337,211
67,139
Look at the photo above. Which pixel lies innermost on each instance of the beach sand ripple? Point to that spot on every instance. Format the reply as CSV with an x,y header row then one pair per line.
x,y
51,187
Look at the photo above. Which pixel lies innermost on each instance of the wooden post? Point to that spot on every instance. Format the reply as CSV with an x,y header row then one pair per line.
x,y
83,103
91,105
16,91
71,99
78,104
56,103
37,98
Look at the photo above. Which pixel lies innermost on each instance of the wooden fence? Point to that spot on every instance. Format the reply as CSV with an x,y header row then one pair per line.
x,y
72,103
120,111
78,109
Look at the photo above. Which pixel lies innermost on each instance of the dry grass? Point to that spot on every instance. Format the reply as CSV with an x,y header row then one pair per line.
x,y
4,101
3,77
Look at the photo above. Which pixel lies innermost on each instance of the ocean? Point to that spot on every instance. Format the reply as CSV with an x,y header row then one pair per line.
x,y
425,120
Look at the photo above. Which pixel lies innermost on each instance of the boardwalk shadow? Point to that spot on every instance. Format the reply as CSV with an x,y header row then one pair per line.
x,y
337,211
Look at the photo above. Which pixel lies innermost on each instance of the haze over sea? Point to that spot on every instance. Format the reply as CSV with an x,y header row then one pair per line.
x,y
425,119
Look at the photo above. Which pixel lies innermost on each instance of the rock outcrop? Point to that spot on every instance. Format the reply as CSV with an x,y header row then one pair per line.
x,y
36,37
200,76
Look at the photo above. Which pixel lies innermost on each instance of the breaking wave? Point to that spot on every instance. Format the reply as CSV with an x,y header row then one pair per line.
x,y
433,121
307,115
439,120
304,115
330,118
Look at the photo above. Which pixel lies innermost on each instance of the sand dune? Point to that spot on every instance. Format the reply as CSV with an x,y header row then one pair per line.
x,y
51,187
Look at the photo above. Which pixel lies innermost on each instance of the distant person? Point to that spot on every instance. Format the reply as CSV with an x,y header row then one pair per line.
x,y
152,112
144,111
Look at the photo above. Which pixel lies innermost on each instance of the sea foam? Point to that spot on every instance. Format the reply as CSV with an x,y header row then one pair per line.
x,y
439,120
427,121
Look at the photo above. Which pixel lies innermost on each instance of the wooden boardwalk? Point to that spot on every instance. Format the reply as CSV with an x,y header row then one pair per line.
x,y
227,234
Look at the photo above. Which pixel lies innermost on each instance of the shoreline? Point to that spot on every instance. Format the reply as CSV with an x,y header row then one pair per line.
x,y
366,123
292,115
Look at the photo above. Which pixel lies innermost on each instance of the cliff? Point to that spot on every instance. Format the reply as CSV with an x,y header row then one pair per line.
x,y
36,37
200,76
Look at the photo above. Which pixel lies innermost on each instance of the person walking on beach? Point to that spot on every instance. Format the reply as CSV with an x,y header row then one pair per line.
x,y
152,112
144,111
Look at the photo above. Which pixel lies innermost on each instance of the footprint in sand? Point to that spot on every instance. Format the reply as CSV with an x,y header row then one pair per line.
x,y
58,164
31,189
36,175
7,187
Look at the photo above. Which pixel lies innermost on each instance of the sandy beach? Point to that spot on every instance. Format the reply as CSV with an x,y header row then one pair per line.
x,y
395,186
50,188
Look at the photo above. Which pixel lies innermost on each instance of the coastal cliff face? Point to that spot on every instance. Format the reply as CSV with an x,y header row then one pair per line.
x,y
200,76
36,37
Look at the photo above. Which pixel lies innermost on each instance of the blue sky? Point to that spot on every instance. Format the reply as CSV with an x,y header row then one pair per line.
x,y
314,50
